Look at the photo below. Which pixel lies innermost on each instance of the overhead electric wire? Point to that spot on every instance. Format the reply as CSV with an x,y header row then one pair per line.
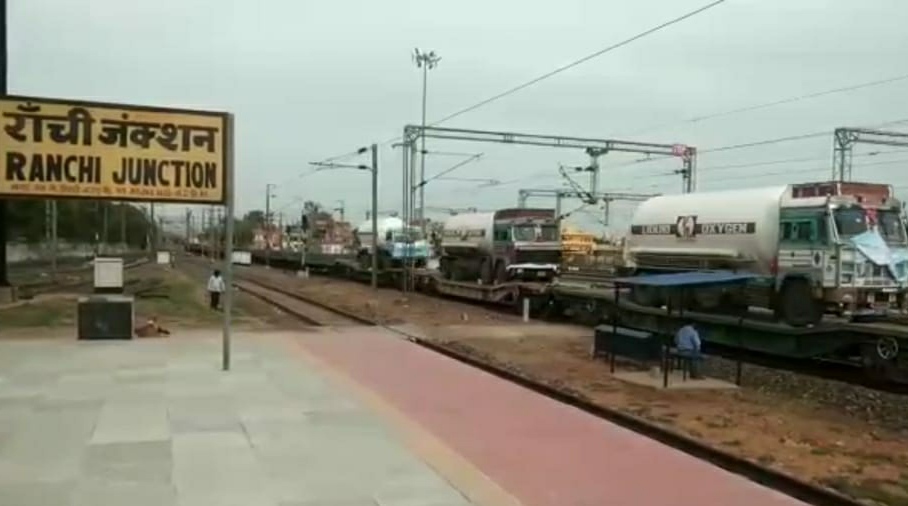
x,y
561,69
752,144
700,170
580,61
764,105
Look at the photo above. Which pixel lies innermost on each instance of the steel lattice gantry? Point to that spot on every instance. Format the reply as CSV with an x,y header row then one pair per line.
x,y
846,138
592,146
587,197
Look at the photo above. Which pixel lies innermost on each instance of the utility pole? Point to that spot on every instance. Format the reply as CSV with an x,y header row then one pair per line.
x,y
374,216
280,228
123,225
340,209
104,222
268,197
188,231
425,61
154,233
50,233
53,238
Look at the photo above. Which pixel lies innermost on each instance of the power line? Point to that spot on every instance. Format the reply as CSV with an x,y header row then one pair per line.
x,y
700,170
562,68
752,144
765,105
580,61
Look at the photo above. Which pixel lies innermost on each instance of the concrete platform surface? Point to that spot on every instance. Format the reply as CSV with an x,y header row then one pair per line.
x,y
542,452
156,422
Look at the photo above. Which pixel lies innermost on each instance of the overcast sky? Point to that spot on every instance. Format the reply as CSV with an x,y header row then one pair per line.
x,y
308,80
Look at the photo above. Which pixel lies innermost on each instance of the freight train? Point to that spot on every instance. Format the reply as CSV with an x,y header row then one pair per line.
x,y
845,241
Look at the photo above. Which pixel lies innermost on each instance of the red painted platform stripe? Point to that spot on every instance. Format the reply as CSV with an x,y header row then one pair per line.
x,y
543,452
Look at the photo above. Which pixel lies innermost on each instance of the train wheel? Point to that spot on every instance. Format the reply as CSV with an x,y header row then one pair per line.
x,y
879,359
798,308
485,271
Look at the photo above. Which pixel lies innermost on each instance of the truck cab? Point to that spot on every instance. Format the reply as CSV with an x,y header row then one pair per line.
x,y
501,246
397,243
842,249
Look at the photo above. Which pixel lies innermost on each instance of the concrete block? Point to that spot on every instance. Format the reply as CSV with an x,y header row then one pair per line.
x,y
146,462
36,493
104,493
131,421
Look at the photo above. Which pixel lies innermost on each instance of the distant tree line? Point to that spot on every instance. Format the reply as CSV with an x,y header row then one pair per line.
x,y
78,221
245,226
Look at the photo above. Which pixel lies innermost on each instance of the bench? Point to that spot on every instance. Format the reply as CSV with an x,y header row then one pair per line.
x,y
678,360
637,345
640,346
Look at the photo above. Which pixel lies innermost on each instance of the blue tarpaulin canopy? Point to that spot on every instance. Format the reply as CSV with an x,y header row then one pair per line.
x,y
681,279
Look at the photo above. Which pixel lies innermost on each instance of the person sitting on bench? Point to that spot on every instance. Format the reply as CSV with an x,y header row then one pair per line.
x,y
687,340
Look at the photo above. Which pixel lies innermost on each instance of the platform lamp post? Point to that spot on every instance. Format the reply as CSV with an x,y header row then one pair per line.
x,y
374,170
427,62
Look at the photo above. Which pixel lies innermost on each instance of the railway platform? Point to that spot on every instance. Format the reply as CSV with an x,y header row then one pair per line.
x,y
156,422
335,415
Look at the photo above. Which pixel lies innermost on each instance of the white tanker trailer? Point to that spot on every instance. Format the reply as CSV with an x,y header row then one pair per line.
x,y
396,243
818,247
501,246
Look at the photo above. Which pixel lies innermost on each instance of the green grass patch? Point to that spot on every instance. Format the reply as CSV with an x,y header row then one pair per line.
x,y
174,299
46,313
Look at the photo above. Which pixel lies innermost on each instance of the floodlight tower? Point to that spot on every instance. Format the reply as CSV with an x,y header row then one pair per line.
x,y
425,61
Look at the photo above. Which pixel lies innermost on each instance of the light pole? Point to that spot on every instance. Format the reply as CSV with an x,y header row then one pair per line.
x,y
425,61
374,213
268,196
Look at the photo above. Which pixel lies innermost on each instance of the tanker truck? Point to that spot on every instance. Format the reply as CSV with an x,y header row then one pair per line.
x,y
835,247
500,246
396,243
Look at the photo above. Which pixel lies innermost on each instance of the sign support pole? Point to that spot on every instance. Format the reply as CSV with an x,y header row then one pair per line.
x,y
4,279
228,240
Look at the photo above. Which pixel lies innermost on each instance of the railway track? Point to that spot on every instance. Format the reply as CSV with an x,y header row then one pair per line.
x,y
313,312
309,311
82,278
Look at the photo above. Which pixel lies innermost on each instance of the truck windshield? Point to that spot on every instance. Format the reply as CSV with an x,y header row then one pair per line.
x,y
891,227
853,221
529,232
412,234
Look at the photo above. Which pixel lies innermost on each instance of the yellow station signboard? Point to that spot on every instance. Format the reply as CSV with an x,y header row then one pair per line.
x,y
54,148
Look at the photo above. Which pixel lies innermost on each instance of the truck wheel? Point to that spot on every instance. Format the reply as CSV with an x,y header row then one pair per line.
x,y
501,272
365,261
485,271
797,306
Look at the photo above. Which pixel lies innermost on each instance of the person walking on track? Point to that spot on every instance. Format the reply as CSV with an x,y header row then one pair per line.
x,y
215,288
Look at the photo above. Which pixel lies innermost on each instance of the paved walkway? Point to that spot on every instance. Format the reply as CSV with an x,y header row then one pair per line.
x,y
155,422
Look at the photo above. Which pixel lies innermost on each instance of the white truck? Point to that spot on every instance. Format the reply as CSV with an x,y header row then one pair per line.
x,y
396,243
817,247
499,246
